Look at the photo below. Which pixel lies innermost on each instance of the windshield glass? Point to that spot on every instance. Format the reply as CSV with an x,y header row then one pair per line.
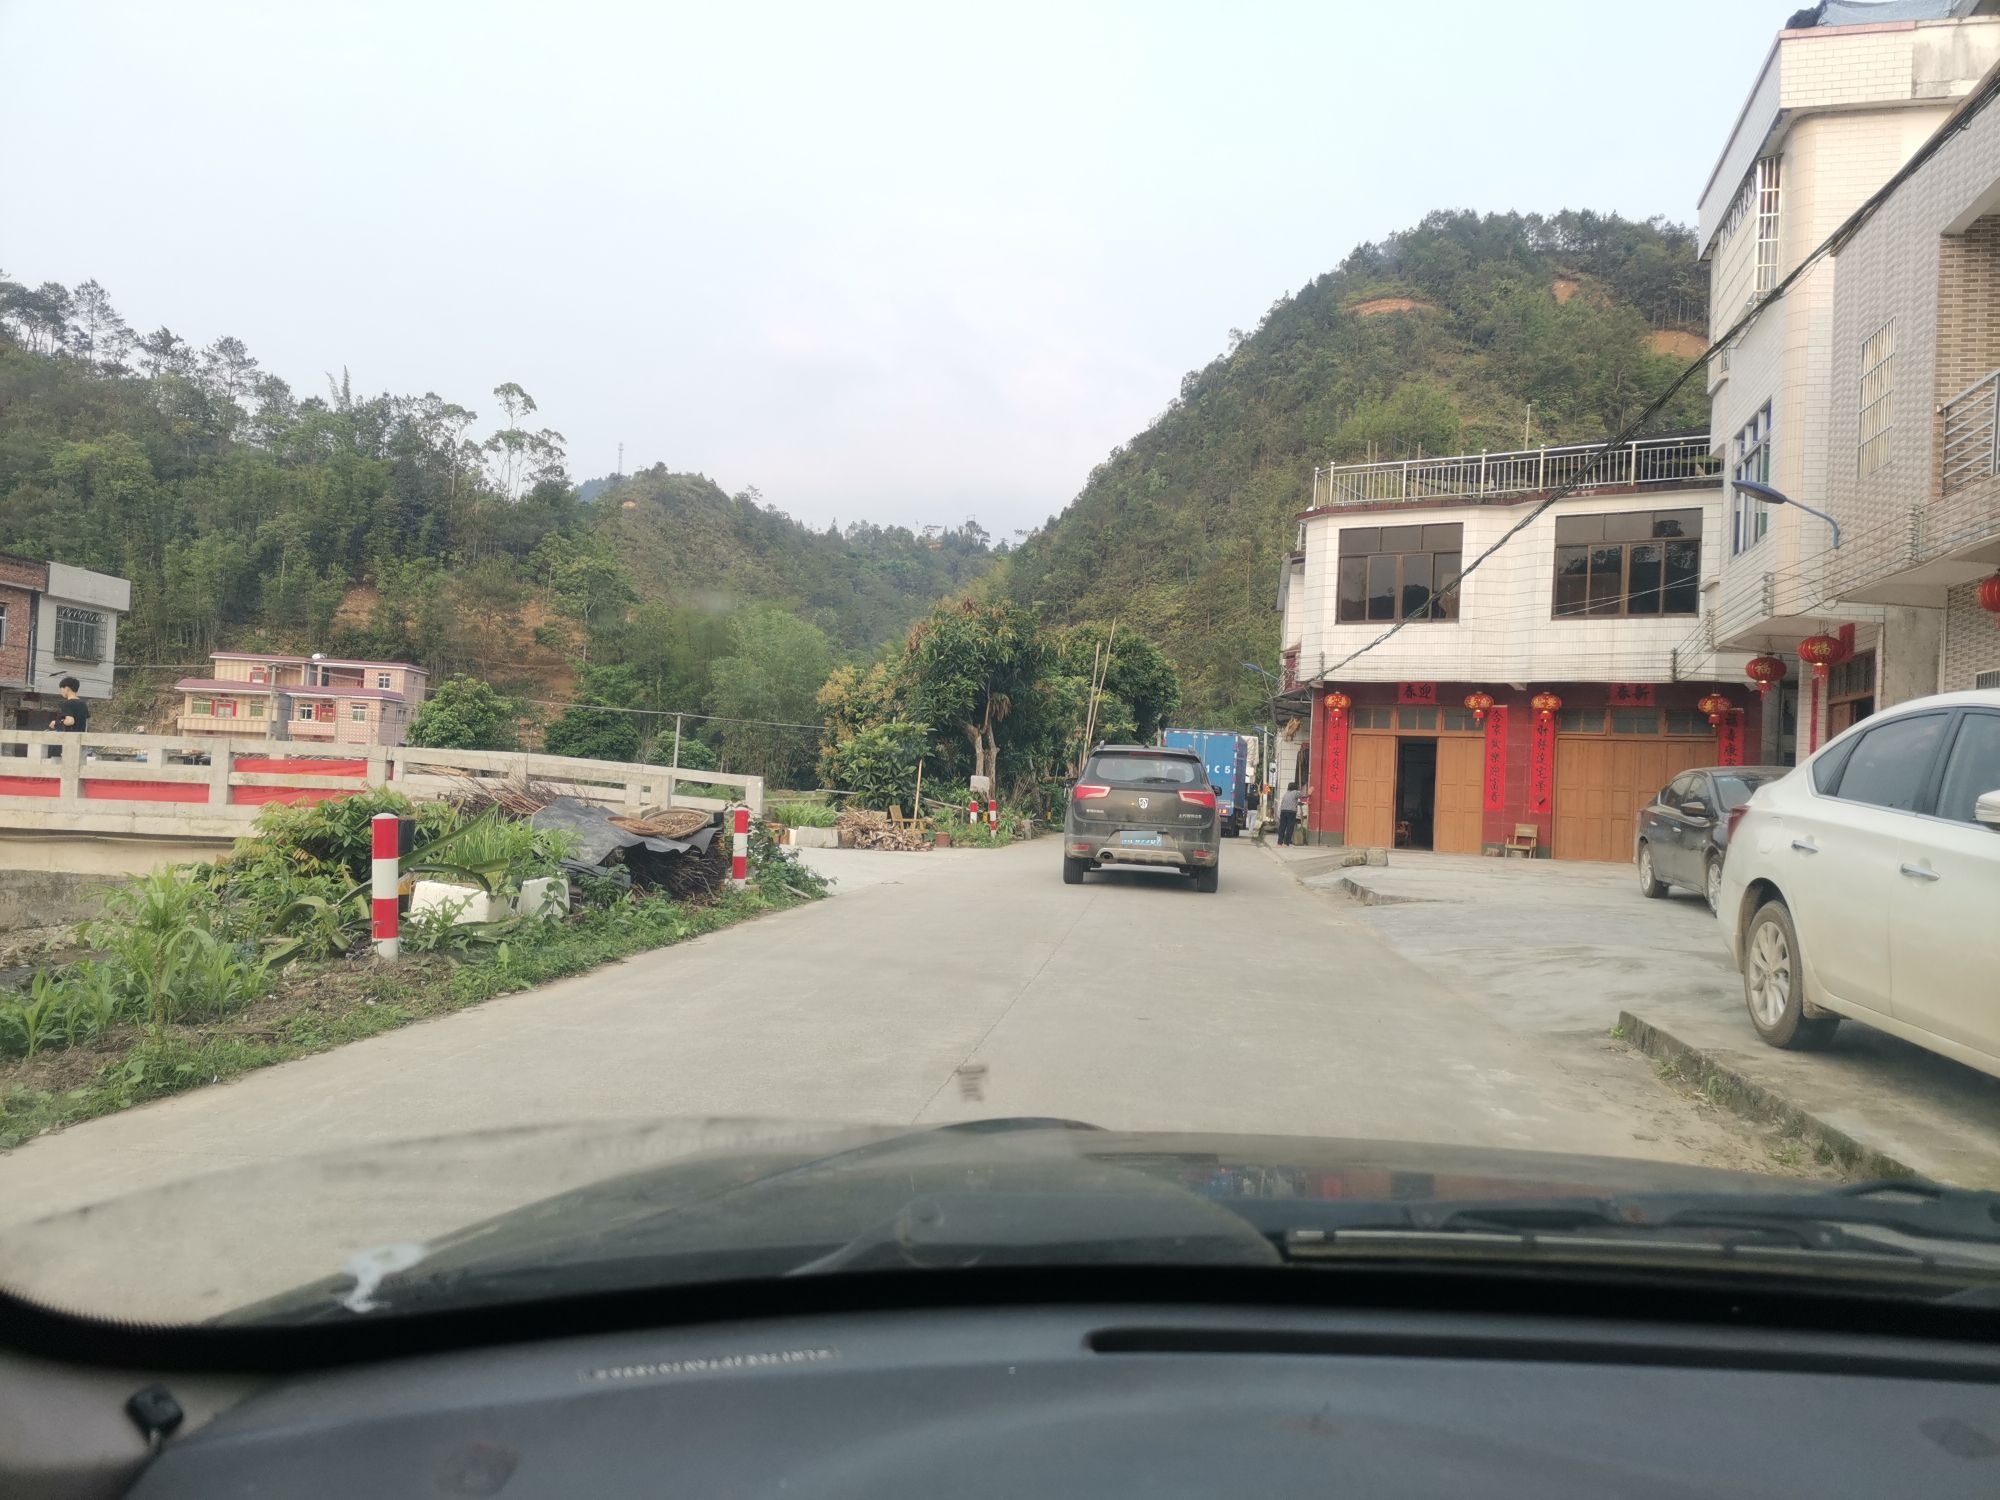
x,y
1171,770
665,648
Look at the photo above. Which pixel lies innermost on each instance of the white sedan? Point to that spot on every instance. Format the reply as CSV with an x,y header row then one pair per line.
x,y
1866,883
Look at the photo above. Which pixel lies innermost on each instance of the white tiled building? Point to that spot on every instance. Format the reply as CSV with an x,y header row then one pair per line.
x,y
1837,108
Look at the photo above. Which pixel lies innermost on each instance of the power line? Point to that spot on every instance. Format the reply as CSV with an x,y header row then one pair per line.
x,y
1830,245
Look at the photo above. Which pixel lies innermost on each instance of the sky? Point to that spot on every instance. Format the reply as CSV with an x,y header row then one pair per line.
x,y
906,264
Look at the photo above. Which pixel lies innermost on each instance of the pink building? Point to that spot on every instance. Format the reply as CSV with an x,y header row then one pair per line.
x,y
310,699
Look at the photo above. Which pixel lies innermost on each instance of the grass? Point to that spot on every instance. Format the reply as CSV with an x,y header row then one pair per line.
x,y
803,814
316,1007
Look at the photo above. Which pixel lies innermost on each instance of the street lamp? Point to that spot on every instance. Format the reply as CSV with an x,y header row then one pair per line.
x,y
1770,496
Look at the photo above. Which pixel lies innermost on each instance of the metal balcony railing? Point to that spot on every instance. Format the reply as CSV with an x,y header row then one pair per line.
x,y
1971,434
1672,460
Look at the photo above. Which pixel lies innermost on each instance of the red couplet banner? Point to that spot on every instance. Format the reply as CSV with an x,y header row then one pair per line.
x,y
1416,692
1542,765
1332,791
1729,740
1631,695
1495,769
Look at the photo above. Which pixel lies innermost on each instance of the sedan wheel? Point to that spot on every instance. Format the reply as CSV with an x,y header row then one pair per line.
x,y
1648,885
1774,984
1711,885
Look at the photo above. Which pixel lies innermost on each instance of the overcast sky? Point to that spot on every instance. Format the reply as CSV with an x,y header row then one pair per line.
x,y
895,263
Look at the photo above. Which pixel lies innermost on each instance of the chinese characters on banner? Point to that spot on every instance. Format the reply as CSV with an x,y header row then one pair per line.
x,y
1494,773
1631,695
1542,765
1417,692
1729,740
1331,789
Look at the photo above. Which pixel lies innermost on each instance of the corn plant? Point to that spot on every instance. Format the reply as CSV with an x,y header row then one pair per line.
x,y
35,1018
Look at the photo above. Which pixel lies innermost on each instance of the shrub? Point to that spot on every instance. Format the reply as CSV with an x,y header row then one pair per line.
x,y
802,814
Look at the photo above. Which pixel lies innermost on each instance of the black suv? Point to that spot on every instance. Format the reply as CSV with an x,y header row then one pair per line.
x,y
1142,805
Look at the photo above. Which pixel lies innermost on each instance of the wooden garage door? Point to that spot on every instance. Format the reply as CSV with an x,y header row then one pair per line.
x,y
1371,789
1602,783
1460,794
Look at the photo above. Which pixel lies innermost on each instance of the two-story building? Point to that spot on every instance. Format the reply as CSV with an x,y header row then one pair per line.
x,y
56,621
1549,694
1846,96
312,699
1913,471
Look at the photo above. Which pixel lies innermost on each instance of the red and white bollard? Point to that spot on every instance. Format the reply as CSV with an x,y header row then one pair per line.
x,y
739,856
383,878
972,810
992,815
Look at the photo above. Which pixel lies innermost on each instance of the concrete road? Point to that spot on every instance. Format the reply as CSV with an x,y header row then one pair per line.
x,y
937,986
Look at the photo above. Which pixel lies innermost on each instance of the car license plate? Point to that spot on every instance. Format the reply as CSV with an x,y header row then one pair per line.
x,y
1144,840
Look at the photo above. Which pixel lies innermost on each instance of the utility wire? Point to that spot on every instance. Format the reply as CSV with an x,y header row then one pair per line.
x,y
1831,245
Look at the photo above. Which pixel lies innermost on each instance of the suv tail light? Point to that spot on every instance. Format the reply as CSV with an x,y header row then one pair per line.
x,y
1086,790
1736,816
1199,799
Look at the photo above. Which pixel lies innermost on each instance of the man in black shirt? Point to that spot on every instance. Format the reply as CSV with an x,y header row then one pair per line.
x,y
72,715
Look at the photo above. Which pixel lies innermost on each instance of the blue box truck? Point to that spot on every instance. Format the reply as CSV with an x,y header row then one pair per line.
x,y
1226,756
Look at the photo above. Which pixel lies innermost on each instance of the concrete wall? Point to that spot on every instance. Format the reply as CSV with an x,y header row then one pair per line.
x,y
49,898
16,631
1971,641
80,588
1506,630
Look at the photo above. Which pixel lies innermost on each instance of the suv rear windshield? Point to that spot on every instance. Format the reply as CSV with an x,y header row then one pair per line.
x,y
1163,770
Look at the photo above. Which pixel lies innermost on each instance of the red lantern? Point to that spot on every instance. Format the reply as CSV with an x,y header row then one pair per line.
x,y
1820,652
1545,704
1988,594
1765,671
1338,704
1479,703
1717,708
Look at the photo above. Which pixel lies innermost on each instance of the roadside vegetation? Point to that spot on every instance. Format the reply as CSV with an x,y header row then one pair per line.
x,y
198,973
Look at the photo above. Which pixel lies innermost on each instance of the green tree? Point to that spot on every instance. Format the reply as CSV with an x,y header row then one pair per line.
x,y
965,667
878,764
463,714
591,728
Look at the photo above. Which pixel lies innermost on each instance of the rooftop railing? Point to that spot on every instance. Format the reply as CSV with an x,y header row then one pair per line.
x,y
1485,476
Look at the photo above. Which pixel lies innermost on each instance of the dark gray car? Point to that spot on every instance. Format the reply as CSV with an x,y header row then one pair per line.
x,y
1142,805
1684,831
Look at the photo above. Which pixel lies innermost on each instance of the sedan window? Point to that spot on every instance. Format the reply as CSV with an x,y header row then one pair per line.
x,y
1973,768
1890,763
1734,791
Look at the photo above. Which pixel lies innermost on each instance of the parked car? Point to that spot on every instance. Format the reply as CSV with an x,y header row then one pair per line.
x,y
1866,883
1142,805
1683,833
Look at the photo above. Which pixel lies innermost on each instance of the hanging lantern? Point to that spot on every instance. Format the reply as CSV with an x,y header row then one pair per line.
x,y
1820,652
1545,705
1479,702
1765,671
1988,594
1717,707
1338,704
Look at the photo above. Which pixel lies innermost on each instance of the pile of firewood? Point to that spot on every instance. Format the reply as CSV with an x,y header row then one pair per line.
x,y
864,828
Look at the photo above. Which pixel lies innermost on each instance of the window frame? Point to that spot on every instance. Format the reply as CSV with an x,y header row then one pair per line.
x,y
3,622
1434,610
74,617
1750,450
1623,598
382,682
357,711
1768,207
1871,449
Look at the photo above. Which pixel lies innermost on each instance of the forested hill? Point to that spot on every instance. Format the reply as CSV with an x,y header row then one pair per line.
x,y
1435,340
245,511
682,538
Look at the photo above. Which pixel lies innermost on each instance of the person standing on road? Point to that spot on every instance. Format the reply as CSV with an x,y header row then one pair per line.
x,y
1288,814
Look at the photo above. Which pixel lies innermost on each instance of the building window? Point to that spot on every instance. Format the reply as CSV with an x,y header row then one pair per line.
x,y
1753,462
1635,721
1396,572
305,713
1371,718
79,634
1688,721
1878,379
1642,562
1416,718
225,708
1767,224
260,674
202,708
3,624
256,708
1459,719
1581,721
382,681
358,713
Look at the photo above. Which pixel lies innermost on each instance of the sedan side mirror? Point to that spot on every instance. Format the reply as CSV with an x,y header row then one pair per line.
x,y
1987,810
1694,807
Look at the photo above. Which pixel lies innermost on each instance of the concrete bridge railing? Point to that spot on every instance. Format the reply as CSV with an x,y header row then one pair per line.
x,y
195,789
